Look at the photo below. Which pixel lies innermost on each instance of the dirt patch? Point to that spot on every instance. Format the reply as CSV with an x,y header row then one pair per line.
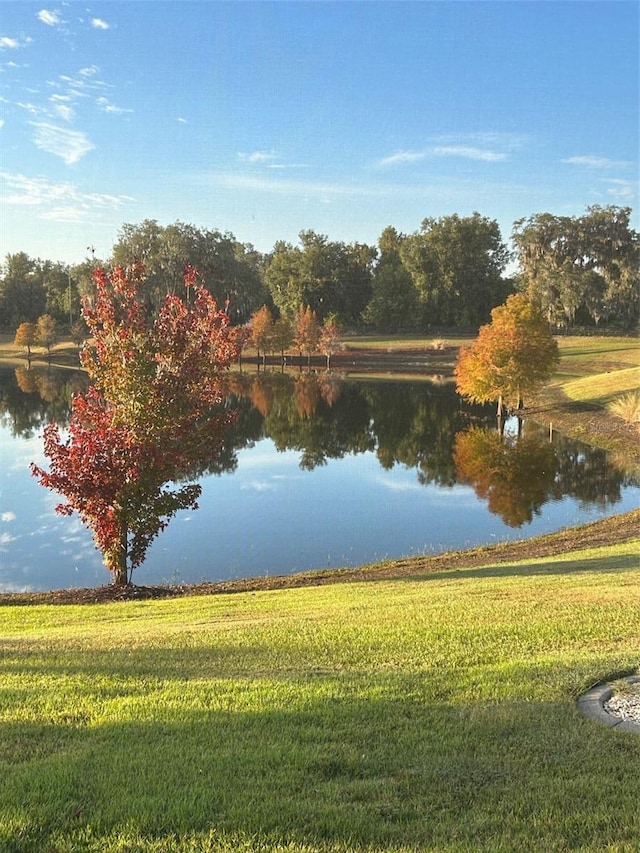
x,y
590,424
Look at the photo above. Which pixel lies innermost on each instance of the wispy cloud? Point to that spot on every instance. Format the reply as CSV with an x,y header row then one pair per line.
x,y
621,190
450,192
106,106
401,157
258,486
8,516
482,147
466,152
64,111
8,43
279,186
49,17
469,152
267,160
258,157
100,24
594,162
69,145
399,485
62,202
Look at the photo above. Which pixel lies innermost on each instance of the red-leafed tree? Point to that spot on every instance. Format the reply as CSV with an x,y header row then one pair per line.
x,y
148,417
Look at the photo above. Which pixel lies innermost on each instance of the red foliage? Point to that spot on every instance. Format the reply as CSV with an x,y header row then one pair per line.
x,y
147,421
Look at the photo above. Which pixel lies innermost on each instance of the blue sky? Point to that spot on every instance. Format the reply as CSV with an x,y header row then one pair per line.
x,y
267,118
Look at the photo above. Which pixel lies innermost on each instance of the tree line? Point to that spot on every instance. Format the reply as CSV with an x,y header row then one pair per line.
x,y
451,272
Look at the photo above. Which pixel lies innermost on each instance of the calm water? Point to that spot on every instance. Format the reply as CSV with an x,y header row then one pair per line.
x,y
315,473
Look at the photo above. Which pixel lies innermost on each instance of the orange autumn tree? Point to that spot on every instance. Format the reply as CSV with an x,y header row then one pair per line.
x,y
26,336
148,417
307,332
262,327
329,339
513,355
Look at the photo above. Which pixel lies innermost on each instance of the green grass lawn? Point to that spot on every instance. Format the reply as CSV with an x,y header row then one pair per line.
x,y
435,712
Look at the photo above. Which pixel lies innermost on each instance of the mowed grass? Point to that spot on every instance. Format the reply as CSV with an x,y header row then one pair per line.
x,y
598,370
430,713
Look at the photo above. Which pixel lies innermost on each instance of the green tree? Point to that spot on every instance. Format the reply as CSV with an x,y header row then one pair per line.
x,y
394,299
231,271
457,264
332,278
513,355
22,293
282,335
63,301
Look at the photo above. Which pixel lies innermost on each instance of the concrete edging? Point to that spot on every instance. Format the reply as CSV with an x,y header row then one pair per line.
x,y
591,704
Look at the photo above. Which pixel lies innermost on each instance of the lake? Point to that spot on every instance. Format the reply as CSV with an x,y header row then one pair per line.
x,y
317,472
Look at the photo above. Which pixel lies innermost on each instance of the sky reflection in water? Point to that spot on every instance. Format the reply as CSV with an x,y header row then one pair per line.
x,y
269,516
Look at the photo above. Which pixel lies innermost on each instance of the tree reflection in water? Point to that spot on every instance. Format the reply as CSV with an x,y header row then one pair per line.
x,y
513,473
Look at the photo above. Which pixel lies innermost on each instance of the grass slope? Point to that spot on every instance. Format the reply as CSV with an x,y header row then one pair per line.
x,y
433,712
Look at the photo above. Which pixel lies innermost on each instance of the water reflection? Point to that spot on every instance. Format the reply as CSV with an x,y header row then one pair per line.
x,y
32,398
513,473
403,461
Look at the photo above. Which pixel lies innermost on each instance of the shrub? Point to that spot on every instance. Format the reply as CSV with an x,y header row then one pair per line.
x,y
627,407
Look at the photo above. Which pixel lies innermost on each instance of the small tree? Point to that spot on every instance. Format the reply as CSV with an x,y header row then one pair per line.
x,y
47,333
26,336
513,355
147,420
262,331
78,331
282,335
307,332
329,339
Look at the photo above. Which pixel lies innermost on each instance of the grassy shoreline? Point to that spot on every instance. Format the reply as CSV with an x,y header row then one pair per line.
x,y
430,712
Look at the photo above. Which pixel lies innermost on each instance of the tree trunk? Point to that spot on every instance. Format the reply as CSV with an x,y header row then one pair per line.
x,y
120,573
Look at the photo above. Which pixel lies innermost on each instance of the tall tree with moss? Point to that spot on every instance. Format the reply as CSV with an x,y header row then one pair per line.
x,y
581,266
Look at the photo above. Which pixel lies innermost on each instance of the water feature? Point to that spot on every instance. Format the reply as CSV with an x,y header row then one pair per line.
x,y
316,472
